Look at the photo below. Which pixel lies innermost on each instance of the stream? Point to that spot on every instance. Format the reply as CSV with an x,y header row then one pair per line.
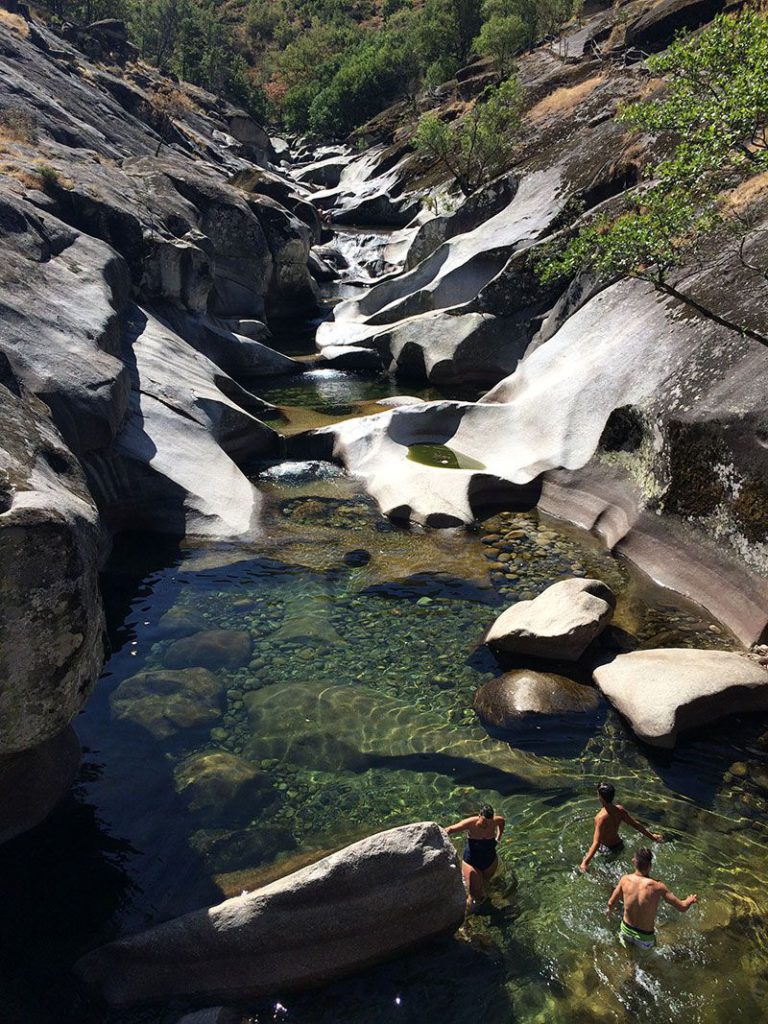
x,y
342,657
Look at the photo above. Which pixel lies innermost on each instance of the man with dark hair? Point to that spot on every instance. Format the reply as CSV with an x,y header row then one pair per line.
x,y
607,821
641,895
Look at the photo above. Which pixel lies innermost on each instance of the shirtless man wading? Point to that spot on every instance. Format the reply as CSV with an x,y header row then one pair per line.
x,y
641,895
607,822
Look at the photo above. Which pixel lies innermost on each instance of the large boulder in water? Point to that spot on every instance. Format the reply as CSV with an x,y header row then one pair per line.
x,y
558,624
212,649
166,702
503,702
366,903
661,692
221,786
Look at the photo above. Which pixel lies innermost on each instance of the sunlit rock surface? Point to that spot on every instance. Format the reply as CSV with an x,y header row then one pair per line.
x,y
368,902
662,692
559,624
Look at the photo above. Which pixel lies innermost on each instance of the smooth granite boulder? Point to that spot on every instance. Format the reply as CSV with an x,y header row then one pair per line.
x,y
503,702
661,692
51,618
558,624
366,903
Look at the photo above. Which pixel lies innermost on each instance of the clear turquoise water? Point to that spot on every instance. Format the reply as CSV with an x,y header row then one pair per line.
x,y
353,712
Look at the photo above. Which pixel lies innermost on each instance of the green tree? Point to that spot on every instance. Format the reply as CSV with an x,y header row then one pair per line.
x,y
365,83
446,32
502,37
475,148
716,103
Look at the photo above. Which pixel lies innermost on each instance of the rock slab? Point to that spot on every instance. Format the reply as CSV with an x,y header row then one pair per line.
x,y
661,692
558,624
366,903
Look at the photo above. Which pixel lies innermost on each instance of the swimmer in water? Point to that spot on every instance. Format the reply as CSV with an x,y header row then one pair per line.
x,y
641,896
607,821
479,862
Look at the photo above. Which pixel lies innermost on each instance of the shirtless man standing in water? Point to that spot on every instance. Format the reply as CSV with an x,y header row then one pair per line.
x,y
641,895
607,822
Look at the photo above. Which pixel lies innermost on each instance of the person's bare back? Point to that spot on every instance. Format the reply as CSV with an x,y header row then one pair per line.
x,y
608,819
641,896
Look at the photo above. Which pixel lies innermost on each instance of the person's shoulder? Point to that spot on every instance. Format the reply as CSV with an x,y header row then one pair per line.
x,y
500,819
621,808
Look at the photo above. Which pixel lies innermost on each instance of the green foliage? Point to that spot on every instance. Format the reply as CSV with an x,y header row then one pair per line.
x,y
322,62
191,38
716,101
362,86
83,12
49,176
502,37
475,148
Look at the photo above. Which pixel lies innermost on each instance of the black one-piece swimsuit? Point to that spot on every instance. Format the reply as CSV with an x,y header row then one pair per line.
x,y
479,853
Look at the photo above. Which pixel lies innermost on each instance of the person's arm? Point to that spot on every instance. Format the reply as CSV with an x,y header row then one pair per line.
x,y
460,826
656,837
614,898
500,823
584,866
681,905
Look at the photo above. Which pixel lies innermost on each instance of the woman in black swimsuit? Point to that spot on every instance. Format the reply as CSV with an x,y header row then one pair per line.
x,y
479,860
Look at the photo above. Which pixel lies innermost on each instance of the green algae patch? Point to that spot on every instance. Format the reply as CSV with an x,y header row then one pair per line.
x,y
442,457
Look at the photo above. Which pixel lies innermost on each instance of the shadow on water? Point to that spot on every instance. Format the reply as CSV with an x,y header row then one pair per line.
x,y
450,980
65,885
699,762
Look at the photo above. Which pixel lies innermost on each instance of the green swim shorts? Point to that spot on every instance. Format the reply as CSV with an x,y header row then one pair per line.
x,y
629,936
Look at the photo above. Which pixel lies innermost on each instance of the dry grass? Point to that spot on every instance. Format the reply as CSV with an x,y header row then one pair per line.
x,y
745,195
563,100
37,178
15,23
16,125
172,102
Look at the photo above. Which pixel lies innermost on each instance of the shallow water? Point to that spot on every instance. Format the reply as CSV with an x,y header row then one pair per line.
x,y
352,714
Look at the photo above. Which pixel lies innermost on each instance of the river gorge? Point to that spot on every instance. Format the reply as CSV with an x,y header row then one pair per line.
x,y
342,655
287,427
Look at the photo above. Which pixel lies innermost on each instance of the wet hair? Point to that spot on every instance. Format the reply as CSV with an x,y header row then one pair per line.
x,y
607,791
486,811
643,857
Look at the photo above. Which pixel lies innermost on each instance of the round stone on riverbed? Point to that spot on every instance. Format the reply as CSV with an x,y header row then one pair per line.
x,y
504,701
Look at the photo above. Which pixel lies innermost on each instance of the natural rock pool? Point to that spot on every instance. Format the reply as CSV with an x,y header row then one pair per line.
x,y
267,703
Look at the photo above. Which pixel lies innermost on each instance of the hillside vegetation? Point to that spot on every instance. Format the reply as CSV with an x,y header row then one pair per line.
x,y
323,66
